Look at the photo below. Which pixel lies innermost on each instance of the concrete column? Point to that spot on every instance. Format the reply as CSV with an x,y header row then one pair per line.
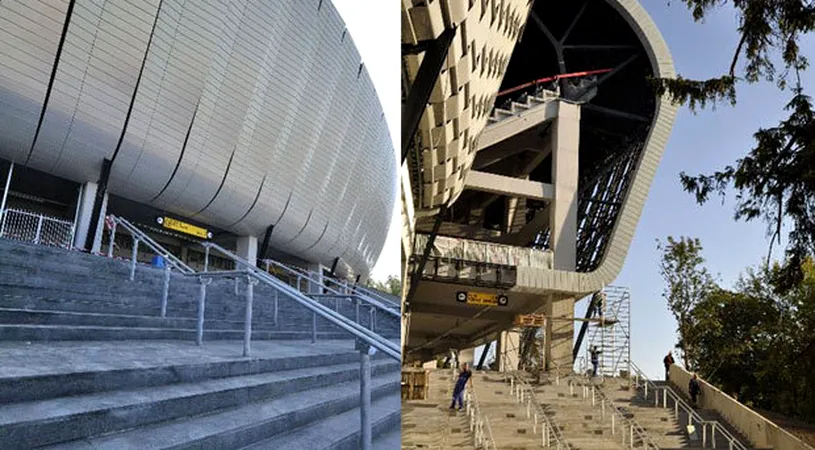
x,y
247,248
466,356
559,338
100,226
317,274
565,144
87,194
508,350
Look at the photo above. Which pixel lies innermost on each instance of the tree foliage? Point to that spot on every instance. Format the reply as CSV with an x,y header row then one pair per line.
x,y
776,179
393,285
687,284
755,341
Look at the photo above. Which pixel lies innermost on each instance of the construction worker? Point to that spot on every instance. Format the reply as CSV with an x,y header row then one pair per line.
x,y
458,392
595,360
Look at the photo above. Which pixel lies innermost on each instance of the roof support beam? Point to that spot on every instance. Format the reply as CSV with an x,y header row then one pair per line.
x,y
513,187
616,113
511,126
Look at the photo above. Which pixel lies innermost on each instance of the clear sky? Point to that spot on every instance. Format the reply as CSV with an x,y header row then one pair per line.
x,y
378,42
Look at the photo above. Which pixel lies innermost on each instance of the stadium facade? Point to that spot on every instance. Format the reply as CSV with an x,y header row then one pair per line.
x,y
253,121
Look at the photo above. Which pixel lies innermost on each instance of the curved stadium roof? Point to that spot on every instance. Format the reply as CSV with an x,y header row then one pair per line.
x,y
238,114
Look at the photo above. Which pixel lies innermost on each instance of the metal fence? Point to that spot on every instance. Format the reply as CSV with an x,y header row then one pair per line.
x,y
37,228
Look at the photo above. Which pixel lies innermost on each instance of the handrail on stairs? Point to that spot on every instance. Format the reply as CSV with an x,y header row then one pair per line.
x,y
522,391
308,277
366,340
679,403
634,428
479,421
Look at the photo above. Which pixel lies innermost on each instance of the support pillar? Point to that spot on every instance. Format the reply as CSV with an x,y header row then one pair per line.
x,y
247,248
100,225
87,195
507,350
559,335
563,220
467,356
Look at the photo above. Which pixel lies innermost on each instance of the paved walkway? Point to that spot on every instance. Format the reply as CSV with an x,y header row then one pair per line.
x,y
429,424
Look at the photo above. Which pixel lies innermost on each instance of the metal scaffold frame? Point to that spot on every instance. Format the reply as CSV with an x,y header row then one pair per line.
x,y
612,333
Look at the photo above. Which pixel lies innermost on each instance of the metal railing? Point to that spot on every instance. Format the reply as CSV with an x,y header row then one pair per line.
x,y
366,340
618,418
551,435
340,290
642,383
37,228
479,422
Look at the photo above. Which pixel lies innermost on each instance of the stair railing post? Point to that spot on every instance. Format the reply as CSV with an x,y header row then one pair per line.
x,y
112,239
364,396
357,302
631,435
646,391
704,434
165,293
603,409
202,298
665,398
274,316
39,229
247,325
612,424
133,254
314,328
535,424
237,280
206,258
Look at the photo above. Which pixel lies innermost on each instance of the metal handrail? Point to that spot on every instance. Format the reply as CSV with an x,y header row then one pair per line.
x,y
679,402
478,420
524,391
362,333
307,276
140,236
633,426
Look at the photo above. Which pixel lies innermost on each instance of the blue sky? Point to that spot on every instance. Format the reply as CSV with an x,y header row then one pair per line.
x,y
699,143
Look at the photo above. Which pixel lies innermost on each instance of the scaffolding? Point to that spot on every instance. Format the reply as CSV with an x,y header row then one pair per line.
x,y
611,332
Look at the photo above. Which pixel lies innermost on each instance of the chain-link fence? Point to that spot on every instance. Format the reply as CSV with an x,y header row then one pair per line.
x,y
37,228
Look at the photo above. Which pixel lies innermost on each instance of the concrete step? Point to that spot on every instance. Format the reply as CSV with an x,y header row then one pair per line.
x,y
245,425
102,333
60,420
9,316
28,388
340,432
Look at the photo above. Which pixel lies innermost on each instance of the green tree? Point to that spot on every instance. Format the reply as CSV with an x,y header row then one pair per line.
x,y
393,285
687,284
776,179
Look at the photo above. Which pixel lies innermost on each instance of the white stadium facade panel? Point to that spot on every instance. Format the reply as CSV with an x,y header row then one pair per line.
x,y
237,114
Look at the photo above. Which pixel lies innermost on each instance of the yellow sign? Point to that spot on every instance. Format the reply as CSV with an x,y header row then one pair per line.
x,y
481,299
530,320
183,227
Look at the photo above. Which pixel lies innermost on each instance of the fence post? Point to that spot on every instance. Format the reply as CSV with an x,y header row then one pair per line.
x,y
39,230
364,396
112,239
202,297
247,325
275,307
166,292
314,328
133,254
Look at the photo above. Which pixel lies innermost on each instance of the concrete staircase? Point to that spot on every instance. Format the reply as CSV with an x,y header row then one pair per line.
x,y
86,361
429,424
508,420
52,294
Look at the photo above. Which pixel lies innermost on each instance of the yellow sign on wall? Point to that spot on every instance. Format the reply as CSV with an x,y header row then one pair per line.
x,y
481,299
530,320
183,227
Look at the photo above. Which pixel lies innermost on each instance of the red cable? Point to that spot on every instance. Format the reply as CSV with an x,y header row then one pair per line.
x,y
554,78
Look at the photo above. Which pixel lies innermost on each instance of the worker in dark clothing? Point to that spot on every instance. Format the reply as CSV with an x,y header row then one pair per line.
x,y
668,361
595,360
693,389
458,392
